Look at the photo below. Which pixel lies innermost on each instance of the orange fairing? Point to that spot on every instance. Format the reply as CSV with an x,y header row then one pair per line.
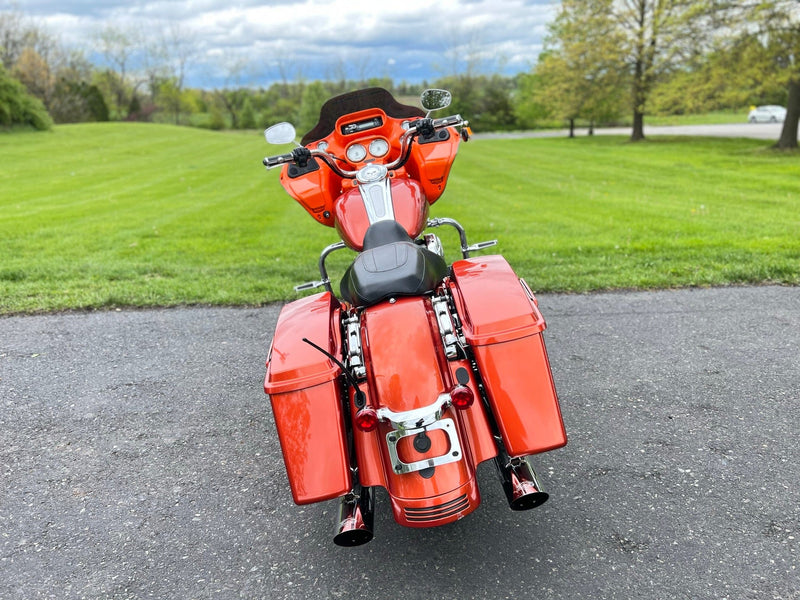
x,y
503,326
314,191
318,190
430,163
306,400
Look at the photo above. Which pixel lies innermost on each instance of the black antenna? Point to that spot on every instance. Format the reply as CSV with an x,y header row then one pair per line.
x,y
360,399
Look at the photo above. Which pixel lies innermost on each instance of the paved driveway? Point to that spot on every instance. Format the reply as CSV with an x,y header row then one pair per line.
x,y
763,131
138,460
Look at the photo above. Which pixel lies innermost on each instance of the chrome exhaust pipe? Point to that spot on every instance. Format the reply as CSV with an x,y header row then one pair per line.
x,y
355,517
522,487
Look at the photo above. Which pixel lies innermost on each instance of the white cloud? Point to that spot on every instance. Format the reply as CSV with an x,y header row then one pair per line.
x,y
412,39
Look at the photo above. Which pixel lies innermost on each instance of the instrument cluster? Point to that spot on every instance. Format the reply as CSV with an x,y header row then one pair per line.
x,y
377,148
359,151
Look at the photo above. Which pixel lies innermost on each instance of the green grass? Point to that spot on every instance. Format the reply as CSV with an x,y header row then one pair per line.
x,y
105,215
602,213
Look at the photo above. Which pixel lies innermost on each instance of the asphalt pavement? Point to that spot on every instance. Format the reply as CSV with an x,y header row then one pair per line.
x,y
138,459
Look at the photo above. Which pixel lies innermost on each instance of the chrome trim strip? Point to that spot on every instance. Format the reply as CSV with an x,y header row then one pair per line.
x,y
376,192
418,418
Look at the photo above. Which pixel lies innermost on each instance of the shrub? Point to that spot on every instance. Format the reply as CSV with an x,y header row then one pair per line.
x,y
18,107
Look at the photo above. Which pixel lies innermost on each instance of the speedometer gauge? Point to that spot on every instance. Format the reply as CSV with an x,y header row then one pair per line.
x,y
378,147
356,153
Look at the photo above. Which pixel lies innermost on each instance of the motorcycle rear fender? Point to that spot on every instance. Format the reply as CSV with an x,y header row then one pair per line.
x,y
406,370
503,325
303,386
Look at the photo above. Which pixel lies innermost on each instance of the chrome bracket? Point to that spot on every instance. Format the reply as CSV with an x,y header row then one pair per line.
x,y
416,421
355,355
446,328
453,454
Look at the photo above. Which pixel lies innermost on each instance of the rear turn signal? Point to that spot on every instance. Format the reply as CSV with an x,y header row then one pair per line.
x,y
366,419
461,397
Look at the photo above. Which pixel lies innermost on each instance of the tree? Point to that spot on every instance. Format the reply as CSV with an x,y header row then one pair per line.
x,y
733,76
649,40
314,96
178,48
15,36
174,99
528,109
117,46
580,73
18,107
231,96
34,72
216,119
778,35
248,116
658,36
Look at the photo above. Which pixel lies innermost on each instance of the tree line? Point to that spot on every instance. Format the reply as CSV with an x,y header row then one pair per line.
x,y
604,62
604,57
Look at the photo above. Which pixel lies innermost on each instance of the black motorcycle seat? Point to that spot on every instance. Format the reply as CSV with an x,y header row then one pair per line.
x,y
391,265
385,232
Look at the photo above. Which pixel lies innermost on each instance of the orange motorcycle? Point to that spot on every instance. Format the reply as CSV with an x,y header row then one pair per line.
x,y
418,370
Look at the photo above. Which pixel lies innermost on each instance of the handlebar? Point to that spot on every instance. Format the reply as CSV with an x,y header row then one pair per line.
x,y
416,128
276,161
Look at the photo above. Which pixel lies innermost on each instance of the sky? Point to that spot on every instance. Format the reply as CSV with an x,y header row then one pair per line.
x,y
260,42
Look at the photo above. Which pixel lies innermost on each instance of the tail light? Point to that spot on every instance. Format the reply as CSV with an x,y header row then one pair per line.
x,y
461,397
366,419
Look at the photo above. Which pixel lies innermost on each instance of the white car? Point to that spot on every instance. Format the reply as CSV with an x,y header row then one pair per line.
x,y
767,114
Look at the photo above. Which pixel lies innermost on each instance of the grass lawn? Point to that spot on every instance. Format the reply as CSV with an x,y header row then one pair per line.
x,y
117,214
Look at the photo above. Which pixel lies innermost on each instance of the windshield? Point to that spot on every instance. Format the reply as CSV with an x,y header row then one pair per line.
x,y
352,102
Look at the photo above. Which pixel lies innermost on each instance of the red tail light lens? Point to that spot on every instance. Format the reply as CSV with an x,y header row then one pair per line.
x,y
462,397
366,419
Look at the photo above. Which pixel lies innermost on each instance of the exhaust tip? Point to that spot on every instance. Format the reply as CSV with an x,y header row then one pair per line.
x,y
356,515
530,499
520,484
352,537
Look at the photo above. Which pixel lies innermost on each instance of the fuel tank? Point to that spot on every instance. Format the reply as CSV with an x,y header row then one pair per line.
x,y
397,198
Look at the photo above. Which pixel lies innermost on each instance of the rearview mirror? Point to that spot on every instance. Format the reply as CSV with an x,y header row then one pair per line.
x,y
282,133
435,99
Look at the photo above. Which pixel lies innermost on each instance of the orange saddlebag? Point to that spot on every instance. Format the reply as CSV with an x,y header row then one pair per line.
x,y
504,327
304,391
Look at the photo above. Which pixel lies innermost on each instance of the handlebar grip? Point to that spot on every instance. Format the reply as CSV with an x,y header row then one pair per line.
x,y
453,120
276,161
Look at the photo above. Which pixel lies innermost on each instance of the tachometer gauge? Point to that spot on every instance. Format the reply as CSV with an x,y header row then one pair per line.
x,y
356,153
378,147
